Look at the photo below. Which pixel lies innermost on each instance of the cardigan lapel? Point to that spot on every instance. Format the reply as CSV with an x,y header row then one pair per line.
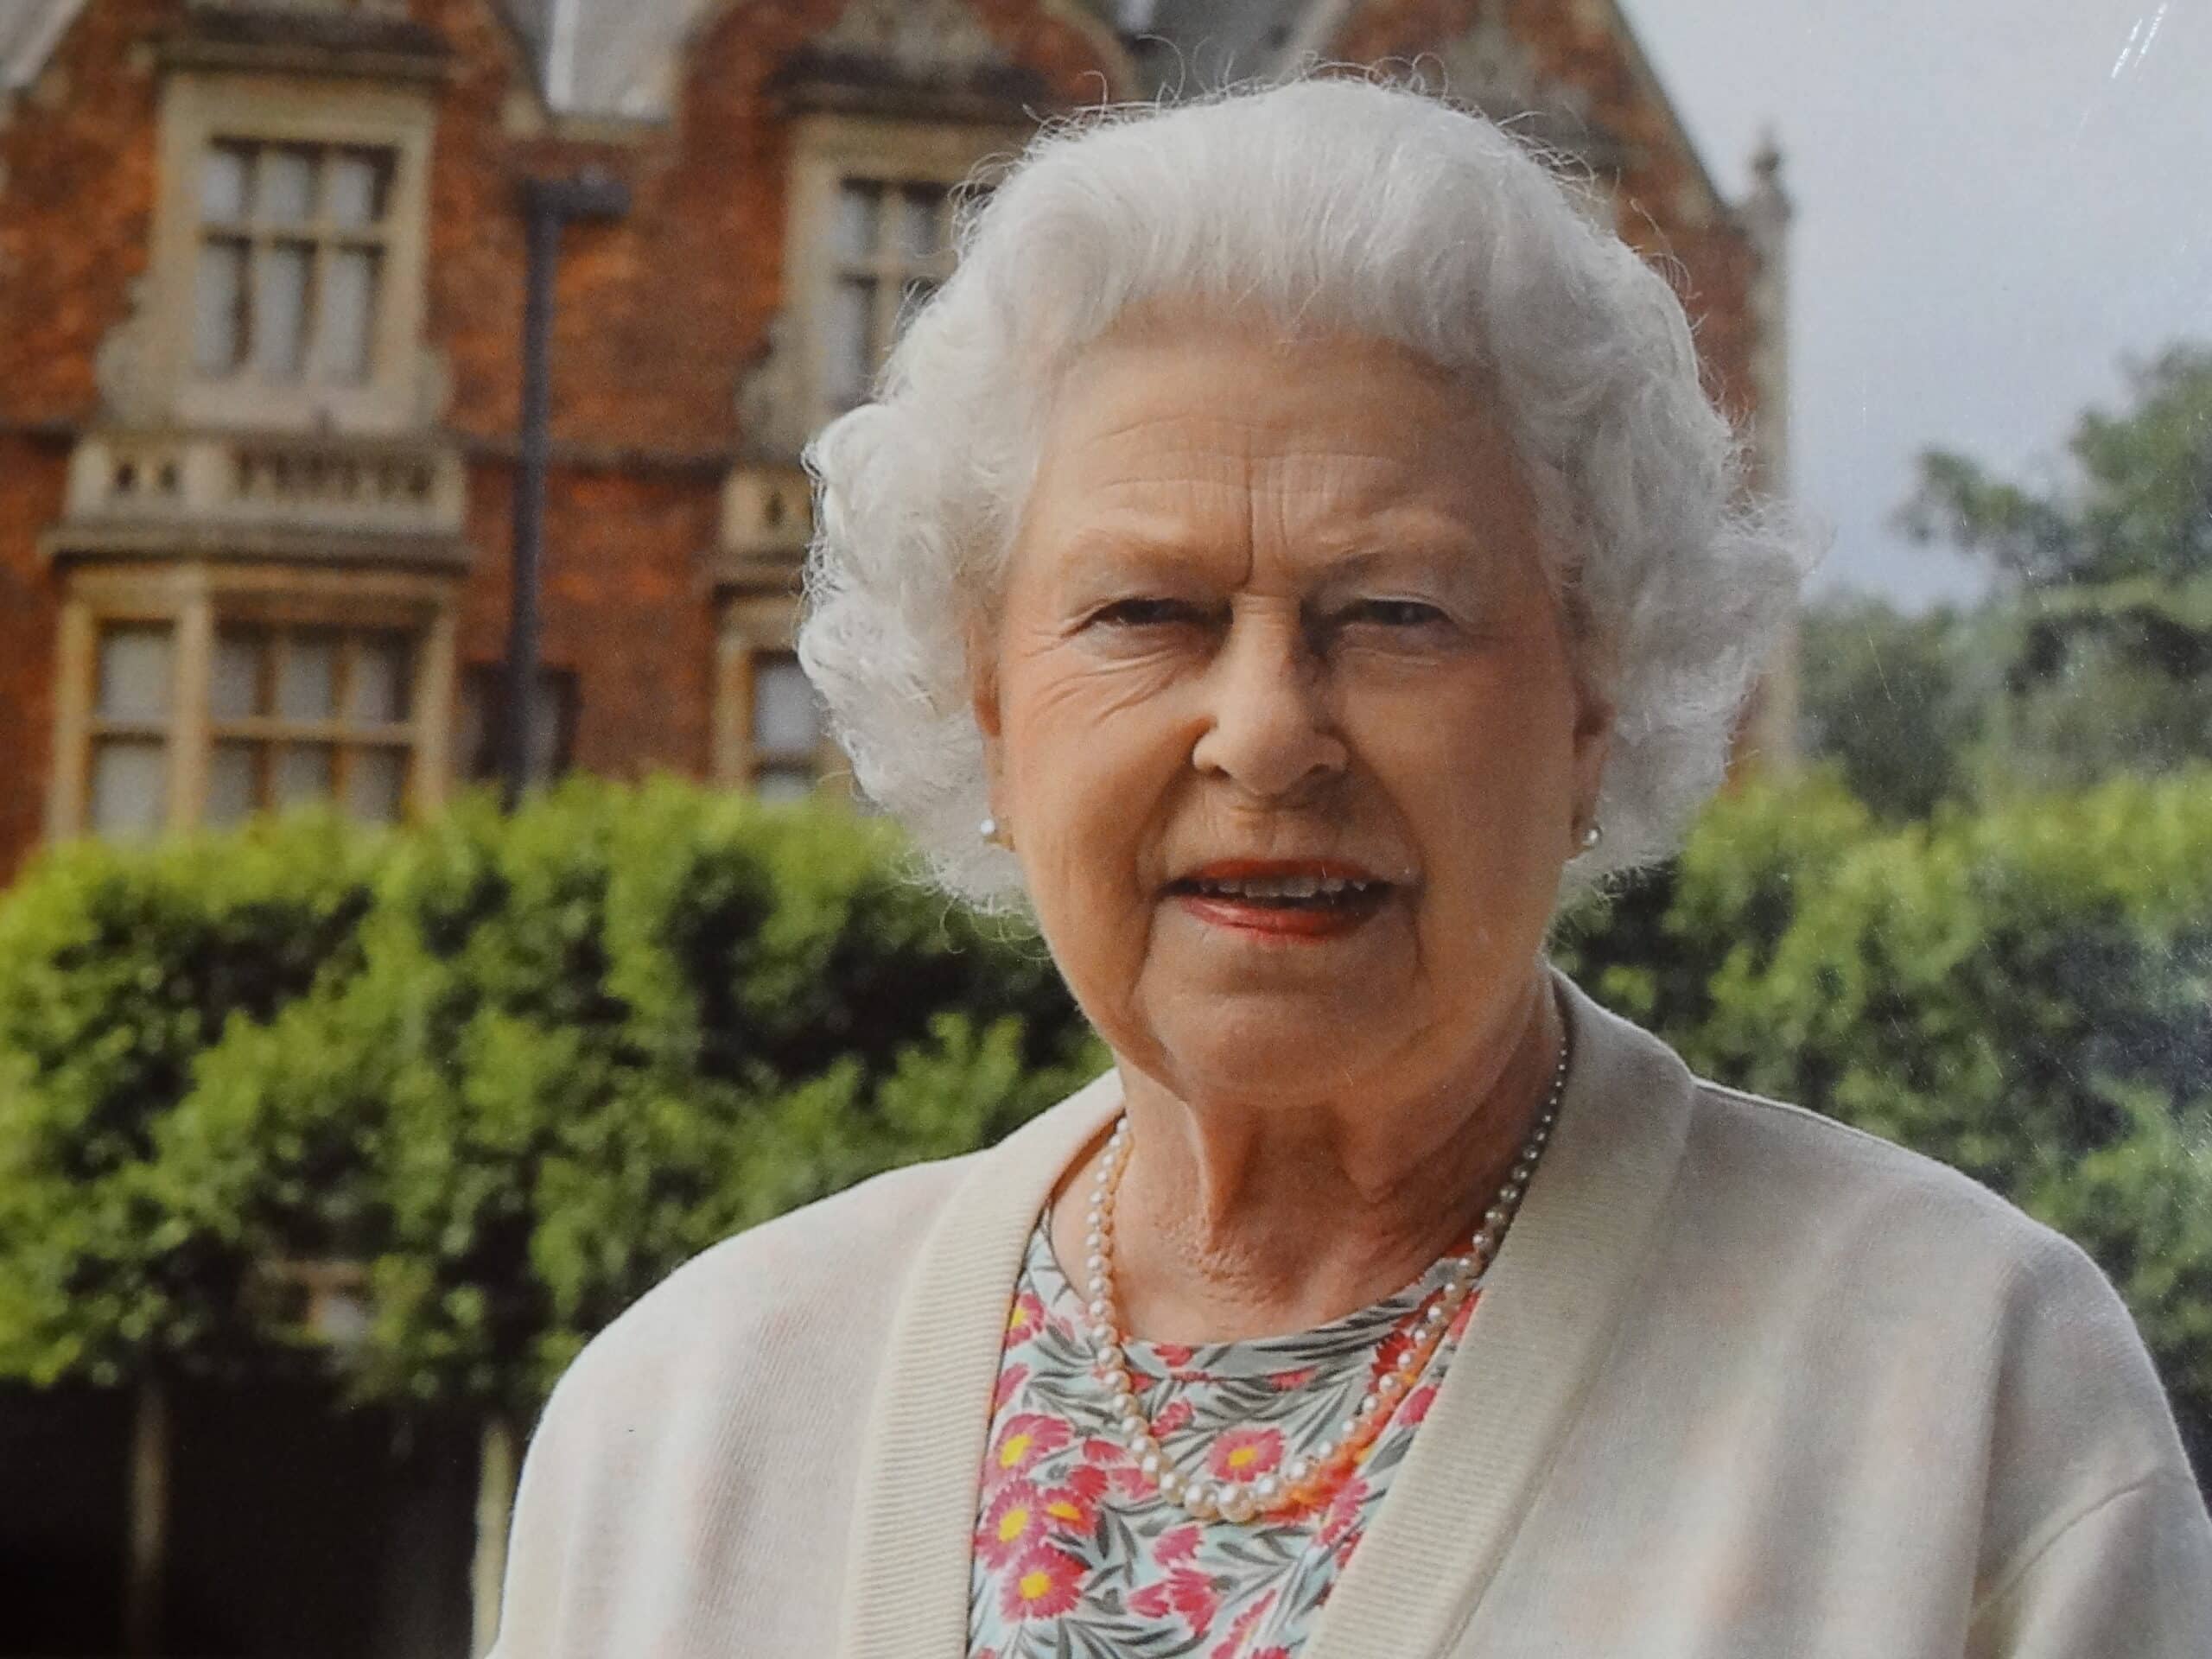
x,y
906,1576
1538,1335
1547,1308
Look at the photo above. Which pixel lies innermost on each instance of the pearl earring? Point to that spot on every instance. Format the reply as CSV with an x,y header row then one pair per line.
x,y
988,828
1592,833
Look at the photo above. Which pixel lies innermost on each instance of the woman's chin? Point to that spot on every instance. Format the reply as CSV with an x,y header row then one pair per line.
x,y
1286,1057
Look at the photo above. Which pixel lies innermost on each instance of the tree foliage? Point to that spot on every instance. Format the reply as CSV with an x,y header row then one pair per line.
x,y
519,1067
2138,509
523,1067
2092,656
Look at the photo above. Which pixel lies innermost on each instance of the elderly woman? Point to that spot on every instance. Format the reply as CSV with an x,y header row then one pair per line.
x,y
1291,554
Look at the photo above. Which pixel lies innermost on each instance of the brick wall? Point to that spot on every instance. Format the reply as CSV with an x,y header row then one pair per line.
x,y
659,317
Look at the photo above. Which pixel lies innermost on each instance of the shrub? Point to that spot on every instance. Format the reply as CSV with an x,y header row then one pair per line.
x,y
520,1067
523,1066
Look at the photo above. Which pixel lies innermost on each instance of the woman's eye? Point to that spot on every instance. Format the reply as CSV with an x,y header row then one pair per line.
x,y
1395,613
1144,613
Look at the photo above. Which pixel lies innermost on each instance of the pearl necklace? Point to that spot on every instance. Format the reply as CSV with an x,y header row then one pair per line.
x,y
1304,1476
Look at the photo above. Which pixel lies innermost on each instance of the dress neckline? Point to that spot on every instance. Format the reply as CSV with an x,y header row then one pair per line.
x,y
1359,1329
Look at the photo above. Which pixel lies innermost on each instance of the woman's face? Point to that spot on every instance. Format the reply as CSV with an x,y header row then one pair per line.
x,y
1276,620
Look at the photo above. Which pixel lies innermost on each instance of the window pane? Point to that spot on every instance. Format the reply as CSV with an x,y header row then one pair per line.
x,y
307,684
286,178
222,185
848,343
859,207
784,720
375,784
347,312
280,307
783,783
377,694
218,307
233,782
305,772
357,183
130,787
134,673
922,238
235,692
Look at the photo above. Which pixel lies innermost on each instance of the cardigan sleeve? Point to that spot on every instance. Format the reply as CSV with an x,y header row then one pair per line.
x,y
2103,1545
547,1575
2131,1573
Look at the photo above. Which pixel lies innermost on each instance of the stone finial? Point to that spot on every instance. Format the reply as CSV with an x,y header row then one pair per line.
x,y
1768,200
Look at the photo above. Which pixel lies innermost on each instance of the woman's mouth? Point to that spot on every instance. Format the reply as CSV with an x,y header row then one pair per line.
x,y
1291,906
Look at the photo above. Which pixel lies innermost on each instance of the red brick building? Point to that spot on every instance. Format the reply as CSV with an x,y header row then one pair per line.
x,y
261,285
261,278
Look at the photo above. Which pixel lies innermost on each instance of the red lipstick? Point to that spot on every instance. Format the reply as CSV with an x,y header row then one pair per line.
x,y
1354,894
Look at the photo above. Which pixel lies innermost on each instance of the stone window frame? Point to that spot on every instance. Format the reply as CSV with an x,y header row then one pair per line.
x,y
755,629
828,149
200,109
195,599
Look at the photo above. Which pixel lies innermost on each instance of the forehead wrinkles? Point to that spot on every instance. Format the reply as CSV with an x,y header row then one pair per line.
x,y
1270,491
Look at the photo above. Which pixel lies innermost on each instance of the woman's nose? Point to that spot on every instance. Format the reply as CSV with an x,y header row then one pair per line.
x,y
1271,732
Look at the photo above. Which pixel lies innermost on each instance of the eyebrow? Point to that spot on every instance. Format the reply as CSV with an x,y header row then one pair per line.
x,y
1100,552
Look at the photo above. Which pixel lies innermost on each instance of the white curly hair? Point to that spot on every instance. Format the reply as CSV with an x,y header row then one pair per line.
x,y
1329,204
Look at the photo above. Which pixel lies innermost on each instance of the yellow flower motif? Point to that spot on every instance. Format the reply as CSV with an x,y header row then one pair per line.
x,y
1243,1456
1063,1510
1013,1524
1036,1585
1015,1449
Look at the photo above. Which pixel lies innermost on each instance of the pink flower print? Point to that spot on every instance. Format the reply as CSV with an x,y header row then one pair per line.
x,y
1026,1321
1245,1453
1010,1382
1129,1482
1015,1521
1417,1404
1186,1592
1176,1415
1073,1508
1099,1450
1027,1436
1045,1584
1176,1544
1284,1382
1238,1631
1343,1514
1172,1355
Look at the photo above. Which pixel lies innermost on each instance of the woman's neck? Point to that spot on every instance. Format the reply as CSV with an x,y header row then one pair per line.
x,y
1231,1223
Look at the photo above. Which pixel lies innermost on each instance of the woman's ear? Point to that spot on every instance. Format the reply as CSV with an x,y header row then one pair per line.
x,y
983,701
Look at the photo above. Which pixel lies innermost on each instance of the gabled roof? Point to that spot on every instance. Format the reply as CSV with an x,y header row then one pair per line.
x,y
1193,46
614,57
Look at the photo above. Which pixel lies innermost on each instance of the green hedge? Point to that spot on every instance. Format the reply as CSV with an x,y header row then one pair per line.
x,y
522,1067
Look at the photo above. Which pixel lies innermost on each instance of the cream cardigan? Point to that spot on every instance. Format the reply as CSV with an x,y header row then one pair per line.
x,y
1742,1383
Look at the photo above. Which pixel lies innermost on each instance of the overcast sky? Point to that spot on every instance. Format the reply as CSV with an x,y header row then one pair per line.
x,y
1997,201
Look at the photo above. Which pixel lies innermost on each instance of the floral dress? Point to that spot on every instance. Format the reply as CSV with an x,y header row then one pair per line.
x,y
1077,1556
